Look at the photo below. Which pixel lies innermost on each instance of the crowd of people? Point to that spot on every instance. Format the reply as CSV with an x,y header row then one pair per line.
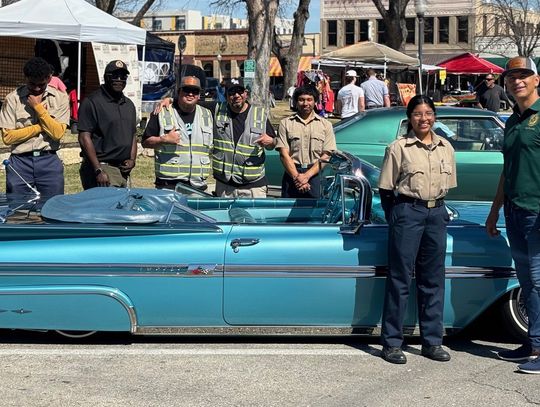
x,y
193,139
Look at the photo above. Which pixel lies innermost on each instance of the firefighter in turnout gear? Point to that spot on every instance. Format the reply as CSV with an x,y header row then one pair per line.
x,y
181,136
241,133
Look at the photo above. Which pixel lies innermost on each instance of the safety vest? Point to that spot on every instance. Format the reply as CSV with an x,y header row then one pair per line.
x,y
190,160
242,163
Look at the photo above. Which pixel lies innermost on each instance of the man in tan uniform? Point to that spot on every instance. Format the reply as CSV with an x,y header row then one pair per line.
x,y
33,119
304,139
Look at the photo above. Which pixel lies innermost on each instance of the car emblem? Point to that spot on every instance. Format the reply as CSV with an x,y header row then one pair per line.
x,y
533,120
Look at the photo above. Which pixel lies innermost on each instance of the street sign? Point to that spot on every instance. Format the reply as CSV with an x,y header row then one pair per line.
x,y
249,68
182,43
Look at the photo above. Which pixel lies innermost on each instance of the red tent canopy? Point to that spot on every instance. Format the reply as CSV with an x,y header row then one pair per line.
x,y
468,63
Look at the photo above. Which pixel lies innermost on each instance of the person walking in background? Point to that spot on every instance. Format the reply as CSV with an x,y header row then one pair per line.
x,y
375,91
33,119
241,133
419,167
305,139
107,129
350,98
519,192
490,95
181,136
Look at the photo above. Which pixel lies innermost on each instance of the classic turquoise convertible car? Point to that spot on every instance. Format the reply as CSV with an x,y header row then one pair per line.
x,y
150,261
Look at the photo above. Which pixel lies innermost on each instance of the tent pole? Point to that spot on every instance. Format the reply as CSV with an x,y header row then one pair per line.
x,y
141,74
79,74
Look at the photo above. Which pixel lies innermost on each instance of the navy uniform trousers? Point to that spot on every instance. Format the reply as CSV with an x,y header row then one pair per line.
x,y
417,244
45,172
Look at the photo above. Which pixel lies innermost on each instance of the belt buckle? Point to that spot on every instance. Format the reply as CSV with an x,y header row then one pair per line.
x,y
431,203
304,166
36,153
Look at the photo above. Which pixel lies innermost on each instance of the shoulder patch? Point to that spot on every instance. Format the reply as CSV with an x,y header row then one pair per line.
x,y
533,120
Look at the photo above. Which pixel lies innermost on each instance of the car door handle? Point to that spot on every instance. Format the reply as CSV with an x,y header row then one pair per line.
x,y
236,243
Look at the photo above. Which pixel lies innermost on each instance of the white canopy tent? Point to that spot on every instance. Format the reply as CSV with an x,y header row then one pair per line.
x,y
67,20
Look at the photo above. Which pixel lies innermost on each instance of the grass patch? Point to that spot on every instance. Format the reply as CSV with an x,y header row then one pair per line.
x,y
142,176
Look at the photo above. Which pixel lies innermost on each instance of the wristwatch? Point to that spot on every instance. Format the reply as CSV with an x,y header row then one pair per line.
x,y
98,171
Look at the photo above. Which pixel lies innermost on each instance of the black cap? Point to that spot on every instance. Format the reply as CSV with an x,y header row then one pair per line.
x,y
116,65
236,84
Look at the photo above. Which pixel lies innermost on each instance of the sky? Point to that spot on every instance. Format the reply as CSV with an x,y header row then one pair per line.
x,y
312,26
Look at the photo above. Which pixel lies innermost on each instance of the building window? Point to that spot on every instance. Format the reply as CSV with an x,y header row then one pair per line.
x,y
463,29
332,32
443,30
496,26
241,66
364,30
409,22
156,25
349,32
484,25
428,30
209,69
181,23
381,32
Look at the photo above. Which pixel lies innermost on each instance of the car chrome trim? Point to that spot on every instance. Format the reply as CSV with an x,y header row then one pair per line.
x,y
351,271
113,293
212,269
110,269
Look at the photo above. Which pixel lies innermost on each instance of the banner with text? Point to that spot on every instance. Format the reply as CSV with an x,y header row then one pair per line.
x,y
406,92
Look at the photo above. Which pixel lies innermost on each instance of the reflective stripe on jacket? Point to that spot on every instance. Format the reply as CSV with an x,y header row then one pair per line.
x,y
242,163
189,160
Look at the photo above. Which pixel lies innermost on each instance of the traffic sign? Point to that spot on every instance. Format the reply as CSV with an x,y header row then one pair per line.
x,y
249,68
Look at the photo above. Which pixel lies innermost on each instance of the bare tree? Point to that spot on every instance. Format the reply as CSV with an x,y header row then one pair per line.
x,y
289,55
509,26
394,21
139,7
261,19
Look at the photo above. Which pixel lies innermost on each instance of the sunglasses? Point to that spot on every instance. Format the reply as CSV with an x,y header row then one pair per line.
x,y
235,91
490,79
118,76
190,90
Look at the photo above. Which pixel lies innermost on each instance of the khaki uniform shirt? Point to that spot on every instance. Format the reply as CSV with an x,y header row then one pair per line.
x,y
306,140
418,171
16,114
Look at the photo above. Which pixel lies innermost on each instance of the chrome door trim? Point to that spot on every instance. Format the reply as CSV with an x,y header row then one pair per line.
x,y
111,269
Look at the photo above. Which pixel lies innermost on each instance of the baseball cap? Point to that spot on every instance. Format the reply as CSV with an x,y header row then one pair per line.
x,y
351,73
520,64
236,84
192,81
116,65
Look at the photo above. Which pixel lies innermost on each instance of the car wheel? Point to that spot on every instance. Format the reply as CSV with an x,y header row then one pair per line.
x,y
514,315
76,334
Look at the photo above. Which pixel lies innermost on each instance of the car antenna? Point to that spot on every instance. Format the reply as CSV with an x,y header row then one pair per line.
x,y
8,165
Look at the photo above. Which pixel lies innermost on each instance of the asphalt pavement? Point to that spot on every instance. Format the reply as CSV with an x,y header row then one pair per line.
x,y
43,369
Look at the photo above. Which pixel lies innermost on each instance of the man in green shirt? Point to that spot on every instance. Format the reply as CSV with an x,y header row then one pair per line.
x,y
519,192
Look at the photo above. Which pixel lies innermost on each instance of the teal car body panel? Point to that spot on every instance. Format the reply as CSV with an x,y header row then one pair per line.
x,y
272,263
478,141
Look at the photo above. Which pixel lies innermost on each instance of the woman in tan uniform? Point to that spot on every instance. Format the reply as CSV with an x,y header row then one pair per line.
x,y
417,171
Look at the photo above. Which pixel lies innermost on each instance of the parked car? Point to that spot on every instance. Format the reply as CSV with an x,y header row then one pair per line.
x,y
475,134
150,261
